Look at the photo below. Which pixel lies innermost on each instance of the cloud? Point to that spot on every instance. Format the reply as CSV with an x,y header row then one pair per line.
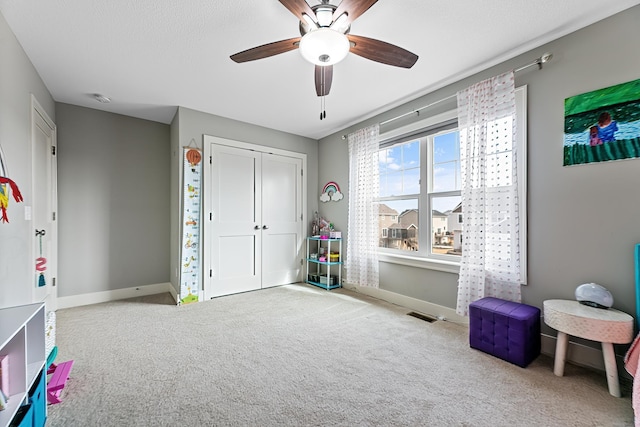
x,y
439,171
330,195
387,160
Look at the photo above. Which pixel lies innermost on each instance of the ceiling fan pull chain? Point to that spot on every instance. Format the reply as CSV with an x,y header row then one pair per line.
x,y
324,108
323,112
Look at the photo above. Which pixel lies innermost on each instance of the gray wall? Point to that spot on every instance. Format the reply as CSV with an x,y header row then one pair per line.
x,y
18,80
175,204
583,220
193,124
113,198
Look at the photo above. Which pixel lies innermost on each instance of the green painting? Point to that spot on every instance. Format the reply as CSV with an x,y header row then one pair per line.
x,y
602,125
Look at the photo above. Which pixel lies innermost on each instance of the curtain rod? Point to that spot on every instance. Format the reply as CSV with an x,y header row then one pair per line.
x,y
546,57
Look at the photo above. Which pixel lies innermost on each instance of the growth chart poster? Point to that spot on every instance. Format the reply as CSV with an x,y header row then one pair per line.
x,y
190,249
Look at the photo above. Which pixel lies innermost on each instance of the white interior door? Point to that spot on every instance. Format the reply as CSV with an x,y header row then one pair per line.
x,y
43,136
255,201
235,221
281,218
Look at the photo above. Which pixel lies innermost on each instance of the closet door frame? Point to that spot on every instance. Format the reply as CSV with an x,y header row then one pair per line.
x,y
208,140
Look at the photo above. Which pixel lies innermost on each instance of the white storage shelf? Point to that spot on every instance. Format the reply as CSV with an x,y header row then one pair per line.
x,y
322,270
22,338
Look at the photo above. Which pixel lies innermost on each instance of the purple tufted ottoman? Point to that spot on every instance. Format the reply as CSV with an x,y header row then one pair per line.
x,y
505,329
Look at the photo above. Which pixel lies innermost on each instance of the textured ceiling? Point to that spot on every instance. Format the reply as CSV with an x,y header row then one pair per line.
x,y
150,56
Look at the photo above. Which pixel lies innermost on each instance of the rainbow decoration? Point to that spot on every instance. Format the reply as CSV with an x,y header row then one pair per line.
x,y
331,191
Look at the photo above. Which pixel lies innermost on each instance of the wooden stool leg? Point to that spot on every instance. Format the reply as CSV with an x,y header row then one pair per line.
x,y
611,369
561,354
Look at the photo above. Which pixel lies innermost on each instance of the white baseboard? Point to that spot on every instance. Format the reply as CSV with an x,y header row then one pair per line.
x,y
117,294
577,354
435,310
174,293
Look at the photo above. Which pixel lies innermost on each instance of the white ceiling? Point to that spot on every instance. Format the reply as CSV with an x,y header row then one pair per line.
x,y
150,56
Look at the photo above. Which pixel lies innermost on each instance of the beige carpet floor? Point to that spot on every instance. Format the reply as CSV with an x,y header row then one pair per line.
x,y
300,356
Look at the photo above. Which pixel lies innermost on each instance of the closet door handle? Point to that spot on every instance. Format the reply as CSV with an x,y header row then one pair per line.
x,y
264,227
257,227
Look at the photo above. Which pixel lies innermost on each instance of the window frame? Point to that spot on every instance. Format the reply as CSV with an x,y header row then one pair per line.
x,y
451,263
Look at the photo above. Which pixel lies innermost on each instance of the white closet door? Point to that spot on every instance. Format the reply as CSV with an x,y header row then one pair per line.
x,y
281,219
236,227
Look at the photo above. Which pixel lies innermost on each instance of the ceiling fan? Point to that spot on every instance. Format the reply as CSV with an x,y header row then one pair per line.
x,y
325,40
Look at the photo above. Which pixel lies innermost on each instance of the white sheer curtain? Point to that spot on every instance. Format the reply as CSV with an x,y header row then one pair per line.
x,y
490,264
364,188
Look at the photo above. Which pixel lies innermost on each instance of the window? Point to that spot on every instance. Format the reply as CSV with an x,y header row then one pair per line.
x,y
400,190
420,195
432,158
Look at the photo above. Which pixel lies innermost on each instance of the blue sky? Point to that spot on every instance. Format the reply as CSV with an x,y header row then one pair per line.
x,y
400,171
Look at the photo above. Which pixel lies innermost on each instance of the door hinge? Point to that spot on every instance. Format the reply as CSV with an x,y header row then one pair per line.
x,y
301,172
301,262
210,160
54,215
53,282
210,216
53,150
210,273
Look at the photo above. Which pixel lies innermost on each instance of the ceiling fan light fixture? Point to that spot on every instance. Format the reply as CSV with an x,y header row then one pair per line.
x,y
341,24
309,21
324,46
324,16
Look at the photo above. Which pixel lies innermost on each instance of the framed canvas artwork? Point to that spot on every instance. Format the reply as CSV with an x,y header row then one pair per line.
x,y
602,125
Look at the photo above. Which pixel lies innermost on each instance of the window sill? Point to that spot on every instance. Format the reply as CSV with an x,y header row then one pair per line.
x,y
420,262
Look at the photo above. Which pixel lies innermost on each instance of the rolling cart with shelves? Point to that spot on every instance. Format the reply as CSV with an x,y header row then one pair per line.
x,y
319,273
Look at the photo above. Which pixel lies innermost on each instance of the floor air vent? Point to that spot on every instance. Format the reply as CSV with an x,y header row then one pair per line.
x,y
421,316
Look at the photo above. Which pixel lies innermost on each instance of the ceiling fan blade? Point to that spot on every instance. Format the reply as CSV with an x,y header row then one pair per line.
x,y
324,77
353,8
298,7
266,50
380,51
